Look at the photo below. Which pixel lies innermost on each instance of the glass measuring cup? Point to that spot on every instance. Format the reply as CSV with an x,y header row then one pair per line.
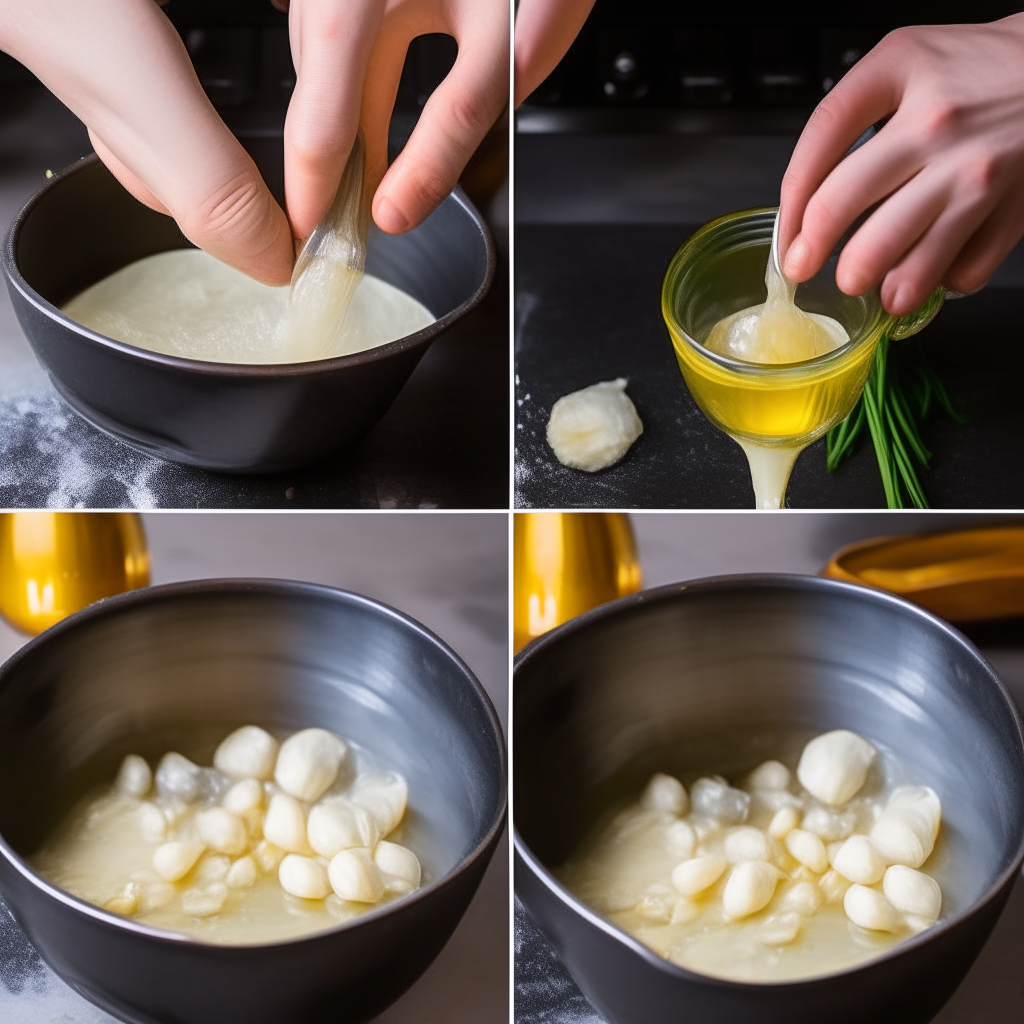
x,y
773,411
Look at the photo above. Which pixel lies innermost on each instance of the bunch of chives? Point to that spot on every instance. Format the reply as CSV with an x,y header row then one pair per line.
x,y
896,400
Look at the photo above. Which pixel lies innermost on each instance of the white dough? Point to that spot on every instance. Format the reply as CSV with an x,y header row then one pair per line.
x,y
304,877
339,824
399,866
248,753
834,766
913,892
135,777
749,888
384,795
681,839
694,876
858,860
223,831
242,874
906,831
666,794
870,909
715,798
175,860
206,900
783,822
308,763
244,796
187,303
177,778
747,843
593,428
152,823
771,775
807,848
285,824
354,876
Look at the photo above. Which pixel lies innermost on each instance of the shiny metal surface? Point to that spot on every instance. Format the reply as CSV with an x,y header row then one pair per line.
x,y
154,664
703,676
55,563
566,563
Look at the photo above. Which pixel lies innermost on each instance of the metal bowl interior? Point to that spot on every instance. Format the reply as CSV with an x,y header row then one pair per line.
x,y
82,226
707,677
172,667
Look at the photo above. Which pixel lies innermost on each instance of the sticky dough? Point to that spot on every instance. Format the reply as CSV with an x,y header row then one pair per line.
x,y
593,428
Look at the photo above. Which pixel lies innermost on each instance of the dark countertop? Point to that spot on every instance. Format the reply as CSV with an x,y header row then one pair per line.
x,y
588,309
443,444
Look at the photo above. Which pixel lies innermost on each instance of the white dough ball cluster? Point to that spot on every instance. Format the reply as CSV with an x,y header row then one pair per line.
x,y
775,853
301,810
593,428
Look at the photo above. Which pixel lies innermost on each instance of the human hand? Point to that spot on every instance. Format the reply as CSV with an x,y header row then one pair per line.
x,y
545,30
122,69
947,169
348,57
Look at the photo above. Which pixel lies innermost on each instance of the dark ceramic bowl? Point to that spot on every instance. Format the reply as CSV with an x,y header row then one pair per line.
x,y
82,225
677,676
130,671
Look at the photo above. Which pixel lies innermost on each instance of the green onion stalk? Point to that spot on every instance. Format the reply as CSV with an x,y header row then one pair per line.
x,y
898,396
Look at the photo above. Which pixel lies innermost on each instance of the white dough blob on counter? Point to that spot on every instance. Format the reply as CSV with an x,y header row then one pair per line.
x,y
593,428
277,840
777,330
187,303
784,876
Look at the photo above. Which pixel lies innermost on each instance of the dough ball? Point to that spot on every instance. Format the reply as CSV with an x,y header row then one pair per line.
x,y
593,428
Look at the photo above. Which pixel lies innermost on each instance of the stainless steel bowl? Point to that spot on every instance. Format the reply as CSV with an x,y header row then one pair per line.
x,y
132,671
701,676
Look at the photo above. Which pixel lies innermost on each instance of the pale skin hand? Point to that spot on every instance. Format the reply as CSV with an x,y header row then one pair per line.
x,y
348,56
545,30
948,167
121,68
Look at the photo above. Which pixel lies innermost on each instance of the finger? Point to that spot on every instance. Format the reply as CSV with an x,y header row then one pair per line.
x,y
122,69
865,177
921,270
331,43
986,249
125,176
891,231
383,75
545,30
869,91
454,121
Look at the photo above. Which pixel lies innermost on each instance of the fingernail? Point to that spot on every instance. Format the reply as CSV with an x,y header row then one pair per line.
x,y
389,218
796,256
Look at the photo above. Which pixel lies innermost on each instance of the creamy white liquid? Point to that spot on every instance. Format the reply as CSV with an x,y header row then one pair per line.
x,y
624,870
769,472
102,851
187,303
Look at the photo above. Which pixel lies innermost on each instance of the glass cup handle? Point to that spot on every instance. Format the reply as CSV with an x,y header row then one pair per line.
x,y
910,324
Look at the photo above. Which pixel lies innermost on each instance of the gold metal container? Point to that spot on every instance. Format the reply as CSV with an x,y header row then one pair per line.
x,y
55,563
565,563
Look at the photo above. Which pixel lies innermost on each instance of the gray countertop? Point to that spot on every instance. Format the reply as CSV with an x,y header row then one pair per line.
x,y
692,545
447,571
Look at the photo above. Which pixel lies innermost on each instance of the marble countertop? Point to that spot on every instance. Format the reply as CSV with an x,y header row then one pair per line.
x,y
447,571
689,546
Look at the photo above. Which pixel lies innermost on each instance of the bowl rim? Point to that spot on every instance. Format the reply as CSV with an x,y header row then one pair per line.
x,y
255,371
797,581
112,606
